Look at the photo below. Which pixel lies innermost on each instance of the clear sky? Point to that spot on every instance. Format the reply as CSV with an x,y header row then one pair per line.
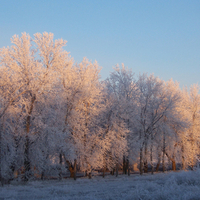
x,y
160,37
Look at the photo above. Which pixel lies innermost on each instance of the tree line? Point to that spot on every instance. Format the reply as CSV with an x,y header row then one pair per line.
x,y
54,111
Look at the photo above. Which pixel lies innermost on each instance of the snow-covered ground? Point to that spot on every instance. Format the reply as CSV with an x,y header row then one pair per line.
x,y
178,185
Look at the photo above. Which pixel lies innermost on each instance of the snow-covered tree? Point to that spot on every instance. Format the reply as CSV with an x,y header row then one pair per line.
x,y
57,113
121,85
190,137
31,64
156,106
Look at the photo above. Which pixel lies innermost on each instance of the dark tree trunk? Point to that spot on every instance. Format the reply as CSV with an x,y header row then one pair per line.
x,y
70,167
173,165
27,166
124,165
75,169
128,167
183,157
163,158
117,166
145,159
104,172
173,162
152,167
42,175
141,164
151,156
159,158
145,166
104,165
157,166
90,175
60,173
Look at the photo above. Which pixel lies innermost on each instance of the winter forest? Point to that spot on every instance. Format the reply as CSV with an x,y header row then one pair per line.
x,y
56,113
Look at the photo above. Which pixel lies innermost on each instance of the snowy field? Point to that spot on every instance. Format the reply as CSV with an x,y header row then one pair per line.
x,y
178,185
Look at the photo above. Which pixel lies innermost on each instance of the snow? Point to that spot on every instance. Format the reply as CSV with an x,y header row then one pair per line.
x,y
170,185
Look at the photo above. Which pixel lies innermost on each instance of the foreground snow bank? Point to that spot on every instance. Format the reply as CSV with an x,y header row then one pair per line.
x,y
179,185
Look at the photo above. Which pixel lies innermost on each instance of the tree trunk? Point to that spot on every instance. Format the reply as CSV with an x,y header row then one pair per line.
x,y
159,158
87,104
151,157
163,158
27,162
104,172
70,167
124,165
90,175
117,166
192,141
42,175
104,165
145,159
145,166
75,169
128,167
173,162
183,158
158,165
113,172
27,166
141,164
173,165
60,173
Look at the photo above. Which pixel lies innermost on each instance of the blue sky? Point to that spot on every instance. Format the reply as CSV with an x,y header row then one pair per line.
x,y
160,37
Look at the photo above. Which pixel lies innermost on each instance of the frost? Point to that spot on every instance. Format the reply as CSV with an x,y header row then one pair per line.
x,y
159,186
